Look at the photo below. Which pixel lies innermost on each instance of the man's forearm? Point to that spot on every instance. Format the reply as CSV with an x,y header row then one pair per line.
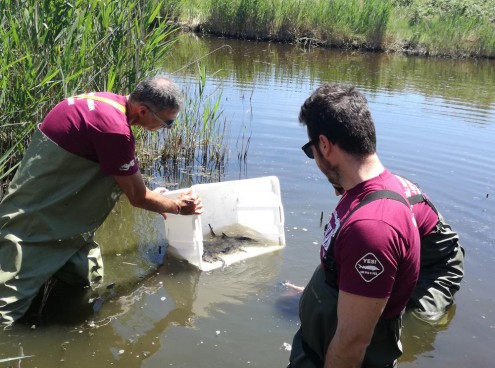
x,y
155,202
344,355
357,317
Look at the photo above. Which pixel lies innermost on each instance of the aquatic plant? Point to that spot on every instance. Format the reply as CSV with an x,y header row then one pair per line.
x,y
429,27
52,49
195,149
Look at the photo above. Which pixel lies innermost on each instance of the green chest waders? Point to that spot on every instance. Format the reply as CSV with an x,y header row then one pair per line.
x,y
441,272
318,315
52,207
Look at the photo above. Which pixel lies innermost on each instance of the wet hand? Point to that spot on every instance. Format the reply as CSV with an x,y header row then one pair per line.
x,y
291,286
189,203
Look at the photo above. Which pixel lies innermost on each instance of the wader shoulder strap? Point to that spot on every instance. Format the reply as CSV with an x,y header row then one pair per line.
x,y
379,194
106,100
418,198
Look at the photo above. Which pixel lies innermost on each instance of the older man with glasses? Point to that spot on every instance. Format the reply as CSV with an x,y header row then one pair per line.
x,y
81,158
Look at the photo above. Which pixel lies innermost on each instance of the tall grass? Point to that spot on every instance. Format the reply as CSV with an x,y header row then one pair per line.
x,y
52,49
194,150
322,20
448,34
433,27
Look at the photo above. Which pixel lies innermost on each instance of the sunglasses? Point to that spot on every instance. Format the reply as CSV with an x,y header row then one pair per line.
x,y
165,124
307,148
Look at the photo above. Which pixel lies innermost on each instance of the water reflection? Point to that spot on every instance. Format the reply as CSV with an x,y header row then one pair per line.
x,y
419,336
128,228
184,294
258,65
126,329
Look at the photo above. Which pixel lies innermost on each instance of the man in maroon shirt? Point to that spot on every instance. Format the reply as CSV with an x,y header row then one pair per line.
x,y
351,309
441,267
79,161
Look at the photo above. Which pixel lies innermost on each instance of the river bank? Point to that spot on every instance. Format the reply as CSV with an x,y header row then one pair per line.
x,y
454,28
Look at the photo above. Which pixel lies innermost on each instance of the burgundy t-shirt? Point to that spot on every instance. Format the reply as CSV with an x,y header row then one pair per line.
x,y
377,250
426,217
94,130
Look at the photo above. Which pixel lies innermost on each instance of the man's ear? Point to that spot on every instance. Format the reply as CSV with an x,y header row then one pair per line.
x,y
324,145
141,110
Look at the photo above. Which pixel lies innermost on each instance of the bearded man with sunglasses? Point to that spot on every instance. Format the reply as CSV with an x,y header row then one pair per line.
x,y
352,307
81,158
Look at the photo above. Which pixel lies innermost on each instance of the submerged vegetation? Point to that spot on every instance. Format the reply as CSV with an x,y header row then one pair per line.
x,y
457,28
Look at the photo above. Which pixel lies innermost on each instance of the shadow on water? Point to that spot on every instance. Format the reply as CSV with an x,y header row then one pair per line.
x,y
418,336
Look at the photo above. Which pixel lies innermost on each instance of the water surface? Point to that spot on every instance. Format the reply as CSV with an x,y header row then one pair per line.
x,y
435,125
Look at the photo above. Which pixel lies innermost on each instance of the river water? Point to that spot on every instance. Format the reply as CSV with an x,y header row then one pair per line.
x,y
435,125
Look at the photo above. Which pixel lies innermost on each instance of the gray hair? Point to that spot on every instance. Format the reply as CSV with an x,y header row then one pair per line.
x,y
159,93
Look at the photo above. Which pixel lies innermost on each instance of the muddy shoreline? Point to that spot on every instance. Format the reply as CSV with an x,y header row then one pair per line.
x,y
402,47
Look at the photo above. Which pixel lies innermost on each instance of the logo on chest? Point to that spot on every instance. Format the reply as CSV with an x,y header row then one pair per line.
x,y
369,267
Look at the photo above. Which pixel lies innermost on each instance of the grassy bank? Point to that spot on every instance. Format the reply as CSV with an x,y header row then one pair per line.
x,y
455,28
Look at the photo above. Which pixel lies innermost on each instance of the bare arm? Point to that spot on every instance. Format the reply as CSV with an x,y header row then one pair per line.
x,y
357,318
141,197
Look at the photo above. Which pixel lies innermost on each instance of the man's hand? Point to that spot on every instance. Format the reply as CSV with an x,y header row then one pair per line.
x,y
357,318
189,203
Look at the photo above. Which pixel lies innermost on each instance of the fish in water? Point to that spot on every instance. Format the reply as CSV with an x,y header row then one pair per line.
x,y
288,302
216,245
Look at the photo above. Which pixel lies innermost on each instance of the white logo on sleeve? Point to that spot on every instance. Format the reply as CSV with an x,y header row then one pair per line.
x,y
369,267
126,167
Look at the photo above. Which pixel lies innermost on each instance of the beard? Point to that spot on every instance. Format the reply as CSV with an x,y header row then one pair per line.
x,y
332,172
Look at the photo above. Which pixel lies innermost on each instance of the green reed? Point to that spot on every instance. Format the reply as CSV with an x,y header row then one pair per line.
x,y
453,35
322,20
52,49
432,27
194,150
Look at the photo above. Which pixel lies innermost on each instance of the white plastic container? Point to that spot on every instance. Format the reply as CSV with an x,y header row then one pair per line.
x,y
253,203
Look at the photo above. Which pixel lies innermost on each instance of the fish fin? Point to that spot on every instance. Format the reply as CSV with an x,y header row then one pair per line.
x,y
212,233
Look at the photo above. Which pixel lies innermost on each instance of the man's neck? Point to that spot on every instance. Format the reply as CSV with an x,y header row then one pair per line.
x,y
357,171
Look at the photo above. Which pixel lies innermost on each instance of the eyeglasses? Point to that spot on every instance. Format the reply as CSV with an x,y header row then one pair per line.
x,y
165,124
307,148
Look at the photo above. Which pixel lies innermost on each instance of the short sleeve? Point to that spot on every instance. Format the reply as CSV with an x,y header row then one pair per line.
x,y
367,258
116,153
